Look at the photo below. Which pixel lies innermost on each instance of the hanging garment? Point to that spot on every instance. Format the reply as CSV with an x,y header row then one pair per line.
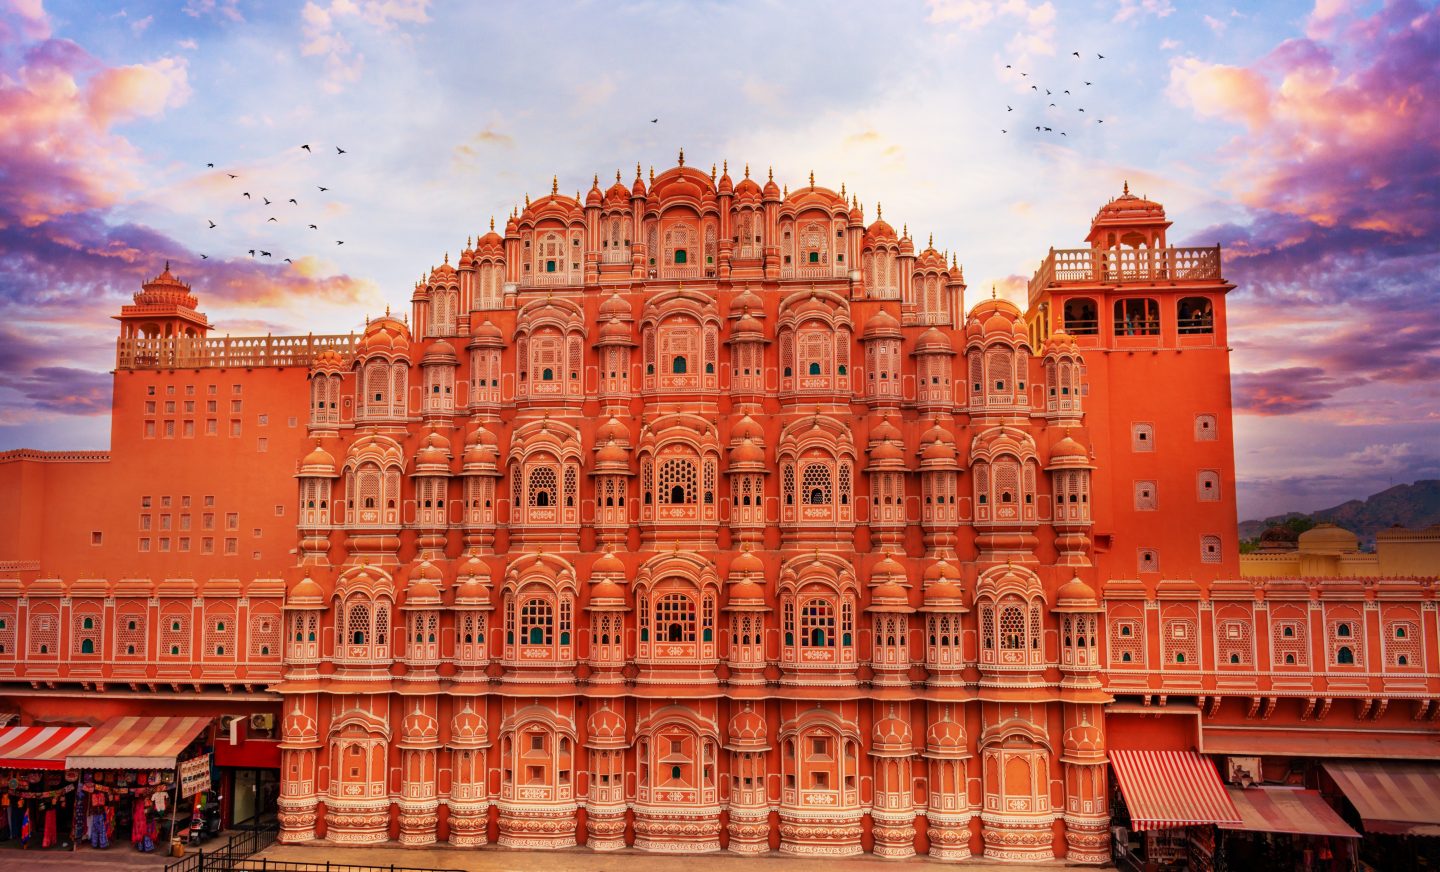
x,y
26,830
137,822
98,836
51,828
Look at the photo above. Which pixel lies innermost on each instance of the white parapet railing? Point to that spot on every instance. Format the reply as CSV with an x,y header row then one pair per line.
x,y
1107,265
188,352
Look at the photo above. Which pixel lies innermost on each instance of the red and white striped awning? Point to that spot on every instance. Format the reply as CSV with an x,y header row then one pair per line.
x,y
39,747
1287,810
136,743
1169,789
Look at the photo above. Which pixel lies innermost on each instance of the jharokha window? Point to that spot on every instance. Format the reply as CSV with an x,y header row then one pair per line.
x,y
539,625
818,625
676,621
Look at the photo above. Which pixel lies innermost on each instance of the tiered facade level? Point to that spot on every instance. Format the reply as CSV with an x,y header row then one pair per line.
x,y
698,516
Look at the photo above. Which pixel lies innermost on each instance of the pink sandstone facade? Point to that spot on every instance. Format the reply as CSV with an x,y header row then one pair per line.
x,y
695,515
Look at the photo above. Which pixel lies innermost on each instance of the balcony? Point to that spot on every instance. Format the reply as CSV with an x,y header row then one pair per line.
x,y
814,271
620,254
550,280
187,352
1116,266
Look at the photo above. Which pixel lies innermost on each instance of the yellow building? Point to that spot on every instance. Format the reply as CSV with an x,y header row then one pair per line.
x,y
1328,551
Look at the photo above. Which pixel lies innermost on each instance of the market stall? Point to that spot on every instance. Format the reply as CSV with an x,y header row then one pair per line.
x,y
1396,803
37,794
138,777
1284,829
1172,802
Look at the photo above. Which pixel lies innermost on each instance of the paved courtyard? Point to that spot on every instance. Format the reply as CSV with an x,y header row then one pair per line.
x,y
493,859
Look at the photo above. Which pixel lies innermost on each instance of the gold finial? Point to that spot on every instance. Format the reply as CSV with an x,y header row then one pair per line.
x,y
812,178
725,166
905,231
467,241
492,222
577,195
527,201
387,311
617,174
447,257
931,243
992,291
554,185
772,174
747,169
786,191
167,264
879,210
682,156
637,169
596,182
652,175
712,172
1126,192
842,190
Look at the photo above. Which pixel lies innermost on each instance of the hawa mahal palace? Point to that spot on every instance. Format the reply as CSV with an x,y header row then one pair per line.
x,y
698,514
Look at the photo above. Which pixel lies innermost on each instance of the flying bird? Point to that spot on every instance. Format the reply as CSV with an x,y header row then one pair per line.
x,y
306,147
339,242
1037,128
1067,92
1024,74
1007,66
232,175
1034,87
265,254
1003,130
292,200
1048,130
313,227
1087,83
321,187
1082,109
1047,92
210,165
654,120
204,257
1100,56
247,195
269,220
1099,120
1075,53
267,200
212,224
1052,105
1062,133
288,260
339,150
1009,109
252,252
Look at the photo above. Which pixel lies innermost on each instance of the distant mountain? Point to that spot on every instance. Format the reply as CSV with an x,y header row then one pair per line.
x,y
1410,505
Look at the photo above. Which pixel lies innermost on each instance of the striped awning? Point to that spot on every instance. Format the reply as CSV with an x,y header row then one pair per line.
x,y
1168,789
1392,796
1286,810
136,743
39,747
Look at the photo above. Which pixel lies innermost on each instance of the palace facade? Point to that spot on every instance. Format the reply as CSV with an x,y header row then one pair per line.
x,y
699,514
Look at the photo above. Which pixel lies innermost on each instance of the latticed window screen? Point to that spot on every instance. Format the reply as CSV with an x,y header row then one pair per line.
x,y
130,635
1235,645
815,485
544,488
1012,628
1007,483
571,485
787,477
817,623
537,622
357,629
85,632
265,635
1402,644
1289,642
1180,644
1346,635
815,347
44,634
7,634
675,618
175,634
987,627
677,481
1209,549
1127,642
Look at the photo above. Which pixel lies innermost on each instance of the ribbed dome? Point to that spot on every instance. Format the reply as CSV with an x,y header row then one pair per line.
x,y
746,563
1076,596
385,335
319,463
747,728
607,564
881,325
747,452
306,592
440,352
605,726
932,340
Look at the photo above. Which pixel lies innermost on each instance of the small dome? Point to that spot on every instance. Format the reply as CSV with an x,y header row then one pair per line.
x,y
488,334
385,335
747,452
1068,447
881,325
747,428
318,462
747,592
888,568
471,592
932,340
611,453
771,191
440,352
879,231
328,360
1328,539
891,732
886,451
943,594
607,564
613,430
421,594
615,307
942,570
593,197
746,563
468,728
748,324
747,727
888,592
306,592
1084,739
748,301
606,592
946,736
1076,595
883,429
605,726
434,452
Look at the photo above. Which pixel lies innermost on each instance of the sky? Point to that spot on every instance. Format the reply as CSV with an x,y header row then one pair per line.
x,y
1300,137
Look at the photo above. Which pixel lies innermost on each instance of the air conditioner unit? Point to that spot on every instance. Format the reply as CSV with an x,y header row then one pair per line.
x,y
262,722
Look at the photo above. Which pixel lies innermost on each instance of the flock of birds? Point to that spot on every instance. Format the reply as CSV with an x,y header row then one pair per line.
x,y
266,201
1055,119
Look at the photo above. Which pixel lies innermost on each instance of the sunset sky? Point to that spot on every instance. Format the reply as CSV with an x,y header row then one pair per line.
x,y
1301,137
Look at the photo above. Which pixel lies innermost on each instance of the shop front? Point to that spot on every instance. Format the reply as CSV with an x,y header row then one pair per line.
x,y
1167,807
1285,829
1397,805
142,779
247,754
37,794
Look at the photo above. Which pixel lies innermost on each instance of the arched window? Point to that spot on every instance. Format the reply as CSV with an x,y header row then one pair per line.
x,y
677,363
816,484
544,487
537,622
1196,316
1345,656
1081,317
